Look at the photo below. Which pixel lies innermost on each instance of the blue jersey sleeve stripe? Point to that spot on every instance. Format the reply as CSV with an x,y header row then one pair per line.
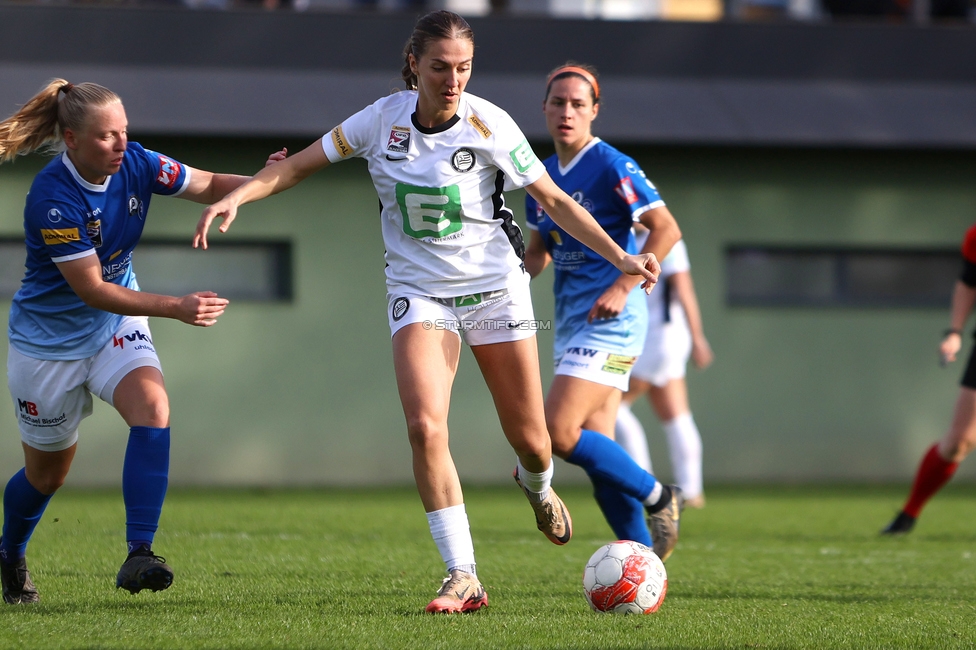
x,y
73,256
186,181
644,208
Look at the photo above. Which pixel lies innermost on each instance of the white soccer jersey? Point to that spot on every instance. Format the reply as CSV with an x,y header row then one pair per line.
x,y
664,308
445,225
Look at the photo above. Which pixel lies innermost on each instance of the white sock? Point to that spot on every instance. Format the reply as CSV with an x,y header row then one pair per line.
x,y
655,494
536,483
630,435
685,445
450,530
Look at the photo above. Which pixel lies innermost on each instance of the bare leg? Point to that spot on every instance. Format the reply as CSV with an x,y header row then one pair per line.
x,y
426,362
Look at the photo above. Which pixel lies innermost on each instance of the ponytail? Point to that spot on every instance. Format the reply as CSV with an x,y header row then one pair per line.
x,y
40,124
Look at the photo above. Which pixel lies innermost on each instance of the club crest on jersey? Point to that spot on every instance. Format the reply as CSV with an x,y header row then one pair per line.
x,y
135,206
580,198
54,215
169,172
400,307
463,160
399,141
626,190
94,229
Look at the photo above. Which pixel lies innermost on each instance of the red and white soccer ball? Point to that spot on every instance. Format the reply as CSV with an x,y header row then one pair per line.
x,y
625,578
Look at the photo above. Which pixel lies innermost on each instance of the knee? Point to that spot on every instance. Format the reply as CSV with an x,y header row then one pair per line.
x,y
564,435
956,451
47,481
151,413
426,432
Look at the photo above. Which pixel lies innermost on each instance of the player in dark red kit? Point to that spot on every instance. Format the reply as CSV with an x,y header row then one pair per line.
x,y
941,460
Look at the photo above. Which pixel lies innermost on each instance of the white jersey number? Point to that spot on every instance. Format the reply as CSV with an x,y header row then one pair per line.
x,y
429,211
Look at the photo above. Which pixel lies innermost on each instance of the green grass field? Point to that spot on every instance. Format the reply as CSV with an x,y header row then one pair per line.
x,y
758,568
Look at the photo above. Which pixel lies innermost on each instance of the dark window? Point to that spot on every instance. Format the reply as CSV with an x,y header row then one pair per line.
x,y
781,276
239,270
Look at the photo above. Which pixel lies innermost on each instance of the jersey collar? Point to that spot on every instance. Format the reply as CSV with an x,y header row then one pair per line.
x,y
91,187
440,128
572,163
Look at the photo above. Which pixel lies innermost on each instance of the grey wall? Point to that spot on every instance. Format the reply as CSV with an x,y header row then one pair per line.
x,y
304,393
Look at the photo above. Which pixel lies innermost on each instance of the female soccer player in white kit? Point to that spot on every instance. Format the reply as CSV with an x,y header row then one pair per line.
x,y
674,333
440,159
78,323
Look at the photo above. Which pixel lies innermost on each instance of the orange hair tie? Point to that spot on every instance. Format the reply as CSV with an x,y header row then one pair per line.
x,y
586,74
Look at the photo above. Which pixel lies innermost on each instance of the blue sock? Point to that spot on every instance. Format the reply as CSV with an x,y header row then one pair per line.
x,y
145,476
606,462
23,506
624,513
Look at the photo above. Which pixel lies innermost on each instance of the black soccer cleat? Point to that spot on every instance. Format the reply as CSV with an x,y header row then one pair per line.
x,y
901,524
18,588
143,569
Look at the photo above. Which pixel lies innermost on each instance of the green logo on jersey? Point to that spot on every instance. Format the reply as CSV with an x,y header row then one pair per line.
x,y
523,157
429,211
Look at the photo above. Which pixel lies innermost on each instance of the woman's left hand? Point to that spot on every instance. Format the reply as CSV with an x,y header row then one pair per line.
x,y
277,156
610,304
645,265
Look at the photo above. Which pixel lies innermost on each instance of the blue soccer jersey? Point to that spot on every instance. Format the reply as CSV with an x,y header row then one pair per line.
x,y
616,192
67,218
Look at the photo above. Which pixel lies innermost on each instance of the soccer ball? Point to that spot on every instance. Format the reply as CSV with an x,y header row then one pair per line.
x,y
625,578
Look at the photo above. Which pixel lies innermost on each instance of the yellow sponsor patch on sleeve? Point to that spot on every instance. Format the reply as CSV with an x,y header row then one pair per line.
x,y
60,235
619,364
480,126
340,142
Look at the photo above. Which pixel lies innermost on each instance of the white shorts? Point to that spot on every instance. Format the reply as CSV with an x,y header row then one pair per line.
x,y
600,367
479,319
665,355
51,398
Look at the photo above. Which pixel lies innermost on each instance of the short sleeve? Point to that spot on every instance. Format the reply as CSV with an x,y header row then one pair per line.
x,y
514,155
171,176
533,212
677,260
633,189
968,274
351,139
60,228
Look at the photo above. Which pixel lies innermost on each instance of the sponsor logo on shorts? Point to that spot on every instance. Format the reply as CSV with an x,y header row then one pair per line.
x,y
169,171
340,142
136,335
54,215
399,141
29,415
618,364
523,157
480,127
400,307
463,160
583,352
626,190
53,236
94,230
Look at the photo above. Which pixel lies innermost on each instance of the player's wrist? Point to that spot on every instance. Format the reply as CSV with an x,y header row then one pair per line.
x,y
951,331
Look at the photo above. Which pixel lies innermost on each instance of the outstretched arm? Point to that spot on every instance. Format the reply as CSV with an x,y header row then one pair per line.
x,y
579,223
207,187
270,180
84,276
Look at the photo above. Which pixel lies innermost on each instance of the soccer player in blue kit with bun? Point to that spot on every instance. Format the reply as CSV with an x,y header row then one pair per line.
x,y
601,320
78,325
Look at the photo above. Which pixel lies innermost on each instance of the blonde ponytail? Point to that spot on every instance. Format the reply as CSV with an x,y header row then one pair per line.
x,y
39,125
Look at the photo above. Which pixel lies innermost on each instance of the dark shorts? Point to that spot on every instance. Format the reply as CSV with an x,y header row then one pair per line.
x,y
969,377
